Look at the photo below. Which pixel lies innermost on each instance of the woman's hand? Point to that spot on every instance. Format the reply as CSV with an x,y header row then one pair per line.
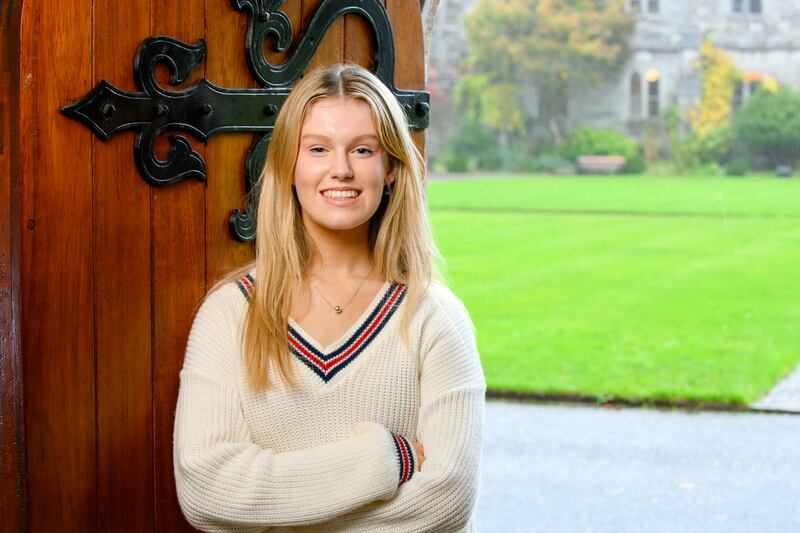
x,y
420,452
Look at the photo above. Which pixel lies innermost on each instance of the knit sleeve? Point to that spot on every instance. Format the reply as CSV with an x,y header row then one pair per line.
x,y
442,496
226,482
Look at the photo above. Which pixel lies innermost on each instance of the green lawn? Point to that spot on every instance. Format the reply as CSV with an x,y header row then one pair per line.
x,y
640,288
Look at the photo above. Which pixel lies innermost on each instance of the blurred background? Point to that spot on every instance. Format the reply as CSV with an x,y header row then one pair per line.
x,y
611,187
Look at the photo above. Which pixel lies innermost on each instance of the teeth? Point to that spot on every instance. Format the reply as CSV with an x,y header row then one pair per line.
x,y
340,194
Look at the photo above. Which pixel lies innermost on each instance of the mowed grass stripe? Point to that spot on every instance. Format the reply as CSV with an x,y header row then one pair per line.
x,y
628,306
721,196
606,212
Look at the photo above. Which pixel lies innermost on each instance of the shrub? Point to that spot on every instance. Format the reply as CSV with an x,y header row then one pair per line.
x,y
595,141
716,146
517,159
553,164
472,147
737,167
768,125
635,164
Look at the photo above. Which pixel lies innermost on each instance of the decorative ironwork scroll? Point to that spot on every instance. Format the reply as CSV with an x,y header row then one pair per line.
x,y
205,109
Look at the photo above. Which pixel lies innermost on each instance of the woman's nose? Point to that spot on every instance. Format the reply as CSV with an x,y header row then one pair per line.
x,y
342,168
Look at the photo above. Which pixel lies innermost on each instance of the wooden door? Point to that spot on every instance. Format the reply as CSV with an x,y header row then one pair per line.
x,y
100,272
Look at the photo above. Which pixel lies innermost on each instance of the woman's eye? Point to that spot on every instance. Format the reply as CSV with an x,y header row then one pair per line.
x,y
317,149
363,150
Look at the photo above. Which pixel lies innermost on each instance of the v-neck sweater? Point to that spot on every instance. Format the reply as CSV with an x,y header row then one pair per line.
x,y
334,454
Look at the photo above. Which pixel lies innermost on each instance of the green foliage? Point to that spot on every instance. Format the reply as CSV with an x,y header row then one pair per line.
x,y
719,76
635,164
596,141
768,125
699,155
717,144
737,167
490,102
553,164
472,148
517,159
552,43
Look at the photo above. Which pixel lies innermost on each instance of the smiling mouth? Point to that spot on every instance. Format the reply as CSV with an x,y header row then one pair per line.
x,y
335,195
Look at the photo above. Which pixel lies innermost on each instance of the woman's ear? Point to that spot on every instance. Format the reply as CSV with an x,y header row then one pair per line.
x,y
391,174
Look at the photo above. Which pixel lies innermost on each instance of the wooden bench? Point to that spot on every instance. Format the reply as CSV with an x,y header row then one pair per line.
x,y
600,164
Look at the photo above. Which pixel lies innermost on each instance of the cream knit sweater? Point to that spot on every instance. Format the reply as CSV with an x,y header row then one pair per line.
x,y
333,455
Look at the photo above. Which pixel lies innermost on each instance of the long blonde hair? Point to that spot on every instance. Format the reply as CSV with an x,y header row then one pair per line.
x,y
400,239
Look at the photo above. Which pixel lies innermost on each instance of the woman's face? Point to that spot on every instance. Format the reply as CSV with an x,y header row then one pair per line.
x,y
341,169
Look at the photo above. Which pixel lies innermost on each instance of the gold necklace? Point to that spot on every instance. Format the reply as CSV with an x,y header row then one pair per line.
x,y
339,308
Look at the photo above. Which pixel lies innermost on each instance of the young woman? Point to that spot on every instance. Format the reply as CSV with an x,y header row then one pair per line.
x,y
333,384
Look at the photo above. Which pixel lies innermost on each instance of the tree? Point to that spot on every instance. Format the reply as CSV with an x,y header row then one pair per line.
x,y
553,44
769,126
719,77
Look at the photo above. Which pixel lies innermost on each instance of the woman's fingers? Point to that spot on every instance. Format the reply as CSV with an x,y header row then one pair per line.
x,y
420,452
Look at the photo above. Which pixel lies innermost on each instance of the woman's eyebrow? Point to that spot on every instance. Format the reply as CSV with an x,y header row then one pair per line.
x,y
366,136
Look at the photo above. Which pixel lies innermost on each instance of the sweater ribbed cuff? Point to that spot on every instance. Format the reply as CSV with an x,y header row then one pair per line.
x,y
406,456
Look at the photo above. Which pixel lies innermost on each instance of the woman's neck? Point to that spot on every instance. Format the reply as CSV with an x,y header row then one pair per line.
x,y
340,255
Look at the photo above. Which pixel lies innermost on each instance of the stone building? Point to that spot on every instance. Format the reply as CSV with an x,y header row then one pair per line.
x,y
662,68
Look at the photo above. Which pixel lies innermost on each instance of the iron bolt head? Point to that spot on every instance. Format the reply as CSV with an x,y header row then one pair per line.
x,y
263,16
270,110
162,109
207,109
108,111
422,109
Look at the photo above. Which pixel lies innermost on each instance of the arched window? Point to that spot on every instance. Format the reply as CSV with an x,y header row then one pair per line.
x,y
636,95
652,76
652,98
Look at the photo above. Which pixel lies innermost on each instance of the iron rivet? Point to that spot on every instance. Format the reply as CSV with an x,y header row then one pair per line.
x,y
422,109
263,16
108,111
162,109
270,110
31,224
207,109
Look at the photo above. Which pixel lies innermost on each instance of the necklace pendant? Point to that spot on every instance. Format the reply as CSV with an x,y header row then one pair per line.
x,y
338,310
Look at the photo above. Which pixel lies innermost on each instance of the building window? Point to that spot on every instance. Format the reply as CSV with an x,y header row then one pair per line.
x,y
746,6
636,95
652,6
636,6
652,76
652,98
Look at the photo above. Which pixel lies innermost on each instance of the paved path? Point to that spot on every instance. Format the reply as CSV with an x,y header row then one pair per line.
x,y
589,469
785,396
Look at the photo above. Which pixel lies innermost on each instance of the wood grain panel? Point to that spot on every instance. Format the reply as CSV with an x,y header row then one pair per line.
x,y
179,270
13,513
56,271
331,48
359,43
122,289
226,65
409,51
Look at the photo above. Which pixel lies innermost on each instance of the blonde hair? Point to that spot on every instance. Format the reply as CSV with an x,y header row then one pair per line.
x,y
400,238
